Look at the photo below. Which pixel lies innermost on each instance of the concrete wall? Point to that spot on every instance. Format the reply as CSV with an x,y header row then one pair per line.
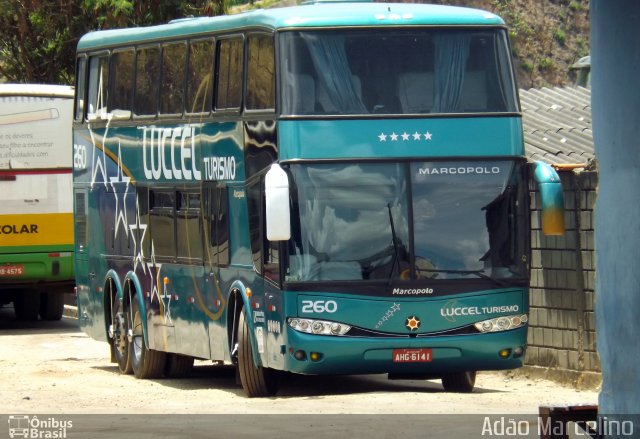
x,y
562,318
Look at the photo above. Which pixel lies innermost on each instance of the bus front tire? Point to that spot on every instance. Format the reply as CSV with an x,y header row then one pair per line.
x,y
461,382
146,363
256,381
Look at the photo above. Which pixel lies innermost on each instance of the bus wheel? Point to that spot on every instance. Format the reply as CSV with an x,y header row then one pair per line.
x,y
146,363
178,366
119,338
256,381
27,305
462,382
51,306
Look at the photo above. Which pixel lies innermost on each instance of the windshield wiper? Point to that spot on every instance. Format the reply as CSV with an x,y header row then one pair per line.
x,y
478,273
394,240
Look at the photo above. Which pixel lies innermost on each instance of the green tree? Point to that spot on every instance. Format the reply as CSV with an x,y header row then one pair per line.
x,y
38,38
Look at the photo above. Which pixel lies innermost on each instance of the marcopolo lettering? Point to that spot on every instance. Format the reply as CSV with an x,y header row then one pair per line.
x,y
455,170
169,153
14,229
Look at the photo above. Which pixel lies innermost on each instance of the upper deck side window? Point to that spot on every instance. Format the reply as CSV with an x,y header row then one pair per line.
x,y
396,71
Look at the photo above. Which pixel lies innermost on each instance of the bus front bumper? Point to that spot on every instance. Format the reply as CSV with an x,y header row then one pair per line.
x,y
322,355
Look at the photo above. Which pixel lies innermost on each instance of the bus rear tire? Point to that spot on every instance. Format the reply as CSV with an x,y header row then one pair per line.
x,y
51,306
256,381
178,366
461,382
146,363
27,305
119,340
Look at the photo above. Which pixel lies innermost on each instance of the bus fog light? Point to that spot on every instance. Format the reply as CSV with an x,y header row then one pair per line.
x,y
504,353
300,355
517,352
315,356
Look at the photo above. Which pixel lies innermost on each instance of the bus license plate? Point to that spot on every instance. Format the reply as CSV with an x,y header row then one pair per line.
x,y
11,270
412,355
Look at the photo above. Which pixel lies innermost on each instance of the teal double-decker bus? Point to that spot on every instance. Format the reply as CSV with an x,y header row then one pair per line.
x,y
333,188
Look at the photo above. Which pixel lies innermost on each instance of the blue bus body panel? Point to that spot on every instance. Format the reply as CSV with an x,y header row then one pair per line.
x,y
401,138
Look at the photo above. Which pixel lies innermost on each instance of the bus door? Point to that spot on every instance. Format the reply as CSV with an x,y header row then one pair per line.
x,y
266,300
89,300
215,204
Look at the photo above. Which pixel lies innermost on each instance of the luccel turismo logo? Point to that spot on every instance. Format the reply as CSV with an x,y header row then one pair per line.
x,y
33,427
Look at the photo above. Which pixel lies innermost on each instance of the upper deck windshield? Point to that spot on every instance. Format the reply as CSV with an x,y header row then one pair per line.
x,y
396,71
399,221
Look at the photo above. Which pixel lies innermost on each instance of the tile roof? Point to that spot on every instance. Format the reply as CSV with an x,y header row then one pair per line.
x,y
557,124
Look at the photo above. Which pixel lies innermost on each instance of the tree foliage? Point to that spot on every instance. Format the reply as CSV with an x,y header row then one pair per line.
x,y
38,38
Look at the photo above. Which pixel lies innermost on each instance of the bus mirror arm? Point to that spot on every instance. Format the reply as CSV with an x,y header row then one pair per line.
x,y
551,197
278,211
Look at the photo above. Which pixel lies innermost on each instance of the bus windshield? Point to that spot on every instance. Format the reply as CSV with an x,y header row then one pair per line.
x,y
423,220
396,71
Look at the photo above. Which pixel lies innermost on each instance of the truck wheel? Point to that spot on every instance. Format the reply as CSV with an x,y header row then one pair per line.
x,y
27,305
461,382
51,306
146,363
256,381
178,366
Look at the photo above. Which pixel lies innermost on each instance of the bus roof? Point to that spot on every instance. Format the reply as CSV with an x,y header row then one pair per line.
x,y
318,14
36,90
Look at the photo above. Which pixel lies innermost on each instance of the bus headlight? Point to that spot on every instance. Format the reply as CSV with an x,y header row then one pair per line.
x,y
502,323
319,327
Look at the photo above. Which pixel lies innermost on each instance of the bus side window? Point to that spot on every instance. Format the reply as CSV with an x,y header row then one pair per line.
x,y
162,224
81,72
219,231
229,74
147,81
189,227
174,58
200,76
122,64
260,73
266,259
98,87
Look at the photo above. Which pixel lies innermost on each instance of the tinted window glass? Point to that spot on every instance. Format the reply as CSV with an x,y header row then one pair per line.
x,y
122,85
200,76
147,80
229,89
260,73
81,71
98,87
174,58
161,219
189,231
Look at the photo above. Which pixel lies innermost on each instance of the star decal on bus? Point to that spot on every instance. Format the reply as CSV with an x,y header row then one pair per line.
x,y
405,136
154,273
120,213
138,239
99,163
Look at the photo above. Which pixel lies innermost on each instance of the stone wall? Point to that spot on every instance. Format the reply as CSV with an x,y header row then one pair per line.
x,y
562,320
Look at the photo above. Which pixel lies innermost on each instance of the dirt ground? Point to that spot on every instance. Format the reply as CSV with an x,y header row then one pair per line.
x,y
52,367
